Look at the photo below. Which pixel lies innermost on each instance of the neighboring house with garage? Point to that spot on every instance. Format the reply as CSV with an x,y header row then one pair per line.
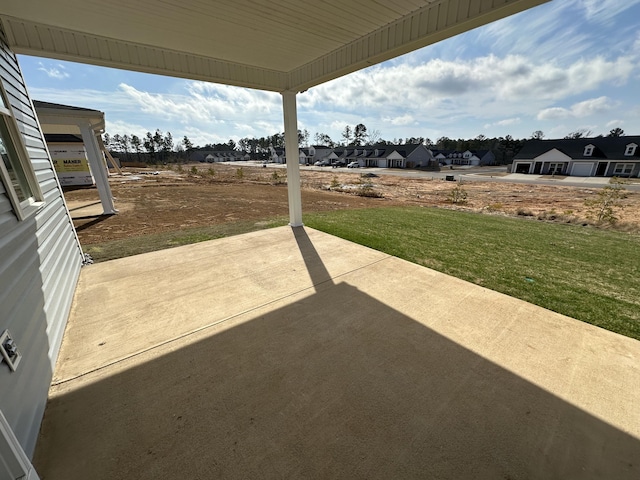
x,y
388,156
580,157
382,156
216,156
468,157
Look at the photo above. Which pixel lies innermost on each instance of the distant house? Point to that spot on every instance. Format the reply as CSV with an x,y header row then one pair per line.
x,y
307,155
388,156
468,157
580,157
214,156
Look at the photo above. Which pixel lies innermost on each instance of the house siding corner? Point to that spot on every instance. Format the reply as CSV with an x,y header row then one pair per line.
x,y
40,261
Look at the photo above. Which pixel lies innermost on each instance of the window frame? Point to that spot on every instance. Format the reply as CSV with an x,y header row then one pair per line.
x,y
630,150
555,168
20,157
620,168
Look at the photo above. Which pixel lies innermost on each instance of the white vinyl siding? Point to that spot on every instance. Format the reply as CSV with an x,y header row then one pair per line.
x,y
40,261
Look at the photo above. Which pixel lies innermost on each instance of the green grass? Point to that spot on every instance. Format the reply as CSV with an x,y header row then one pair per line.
x,y
586,273
126,247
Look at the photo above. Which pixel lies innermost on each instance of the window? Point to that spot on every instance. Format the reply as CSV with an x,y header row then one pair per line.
x,y
588,150
555,168
15,170
623,169
630,150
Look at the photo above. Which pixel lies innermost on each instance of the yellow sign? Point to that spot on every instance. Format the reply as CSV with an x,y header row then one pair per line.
x,y
70,162
71,165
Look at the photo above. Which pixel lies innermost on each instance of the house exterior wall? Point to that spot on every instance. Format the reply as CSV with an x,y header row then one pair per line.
x,y
488,159
420,157
596,157
40,261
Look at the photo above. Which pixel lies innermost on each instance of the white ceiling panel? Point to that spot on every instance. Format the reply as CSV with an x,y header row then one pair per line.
x,y
279,45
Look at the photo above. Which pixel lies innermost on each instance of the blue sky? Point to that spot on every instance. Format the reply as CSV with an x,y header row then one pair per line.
x,y
563,66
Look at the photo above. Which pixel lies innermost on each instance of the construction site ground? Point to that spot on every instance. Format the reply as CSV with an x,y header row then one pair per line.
x,y
180,197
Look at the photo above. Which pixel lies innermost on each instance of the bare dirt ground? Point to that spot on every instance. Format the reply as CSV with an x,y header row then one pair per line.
x,y
203,195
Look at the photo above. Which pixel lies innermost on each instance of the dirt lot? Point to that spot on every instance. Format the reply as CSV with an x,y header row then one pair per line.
x,y
202,195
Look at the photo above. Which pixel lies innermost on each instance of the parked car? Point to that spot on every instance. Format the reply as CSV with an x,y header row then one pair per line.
x,y
353,165
338,163
321,163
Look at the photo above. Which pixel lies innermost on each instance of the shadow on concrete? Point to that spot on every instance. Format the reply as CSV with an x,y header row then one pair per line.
x,y
312,261
366,392
93,220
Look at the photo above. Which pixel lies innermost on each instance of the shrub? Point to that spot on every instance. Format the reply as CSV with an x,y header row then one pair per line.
x,y
524,212
240,173
607,202
366,190
458,195
276,178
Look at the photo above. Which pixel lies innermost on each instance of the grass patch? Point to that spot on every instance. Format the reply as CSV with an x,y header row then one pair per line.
x,y
583,272
126,247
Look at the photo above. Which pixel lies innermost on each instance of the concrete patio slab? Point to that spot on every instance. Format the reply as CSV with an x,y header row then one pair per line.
x,y
290,353
84,209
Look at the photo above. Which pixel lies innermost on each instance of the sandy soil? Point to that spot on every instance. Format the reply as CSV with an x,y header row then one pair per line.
x,y
172,200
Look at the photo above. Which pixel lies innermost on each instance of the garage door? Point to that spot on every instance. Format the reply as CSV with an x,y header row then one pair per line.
x,y
582,169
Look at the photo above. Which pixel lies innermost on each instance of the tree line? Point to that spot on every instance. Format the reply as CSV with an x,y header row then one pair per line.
x,y
161,147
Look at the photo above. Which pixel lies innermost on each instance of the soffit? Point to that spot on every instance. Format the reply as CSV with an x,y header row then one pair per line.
x,y
279,45
61,119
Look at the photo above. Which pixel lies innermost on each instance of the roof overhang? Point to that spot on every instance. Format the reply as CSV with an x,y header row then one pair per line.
x,y
64,119
277,45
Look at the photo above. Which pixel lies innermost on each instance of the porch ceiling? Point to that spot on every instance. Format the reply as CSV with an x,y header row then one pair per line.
x,y
278,45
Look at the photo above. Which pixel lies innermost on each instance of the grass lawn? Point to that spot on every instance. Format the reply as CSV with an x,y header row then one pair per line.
x,y
586,273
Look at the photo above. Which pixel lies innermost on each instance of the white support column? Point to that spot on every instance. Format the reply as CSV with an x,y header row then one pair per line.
x,y
293,157
98,168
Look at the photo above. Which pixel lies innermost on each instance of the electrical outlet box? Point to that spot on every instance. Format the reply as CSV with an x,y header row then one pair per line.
x,y
9,352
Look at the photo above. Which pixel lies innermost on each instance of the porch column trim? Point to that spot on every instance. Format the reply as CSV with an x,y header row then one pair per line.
x,y
293,157
98,168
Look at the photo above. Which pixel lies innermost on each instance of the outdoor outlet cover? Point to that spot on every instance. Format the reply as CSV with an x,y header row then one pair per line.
x,y
9,351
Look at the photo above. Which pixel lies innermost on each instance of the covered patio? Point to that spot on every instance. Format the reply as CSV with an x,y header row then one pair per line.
x,y
290,353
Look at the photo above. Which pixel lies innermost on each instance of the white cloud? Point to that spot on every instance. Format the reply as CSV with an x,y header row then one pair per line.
x,y
401,120
124,128
446,90
602,11
56,71
594,106
614,123
553,113
213,107
508,121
